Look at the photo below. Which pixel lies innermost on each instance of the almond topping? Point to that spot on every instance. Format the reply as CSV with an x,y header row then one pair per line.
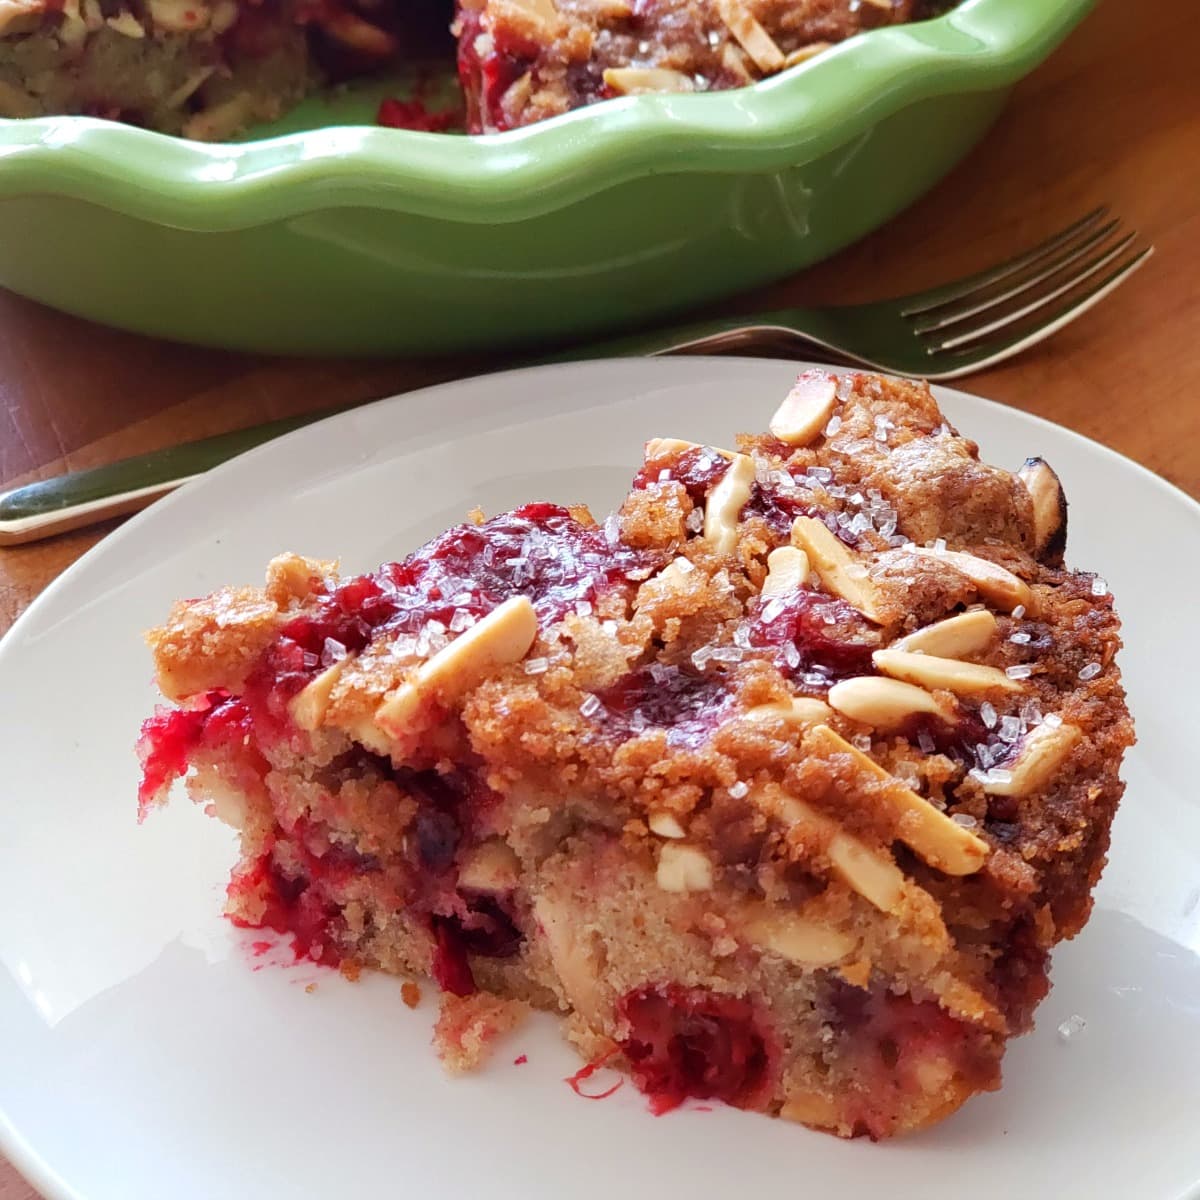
x,y
725,503
308,707
801,711
839,569
637,81
798,939
666,825
1045,749
874,876
806,409
1049,507
735,63
683,869
949,674
885,703
754,39
804,53
993,582
933,835
787,571
955,637
503,636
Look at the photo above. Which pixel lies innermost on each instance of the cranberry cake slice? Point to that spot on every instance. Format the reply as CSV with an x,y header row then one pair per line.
x,y
521,61
780,783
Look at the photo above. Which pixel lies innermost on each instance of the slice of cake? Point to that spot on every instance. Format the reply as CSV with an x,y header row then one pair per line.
x,y
521,61
779,783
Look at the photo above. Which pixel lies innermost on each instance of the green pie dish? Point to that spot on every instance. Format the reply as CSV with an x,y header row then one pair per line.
x,y
324,235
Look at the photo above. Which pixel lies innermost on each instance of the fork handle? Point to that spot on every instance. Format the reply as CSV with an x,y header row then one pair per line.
x,y
80,498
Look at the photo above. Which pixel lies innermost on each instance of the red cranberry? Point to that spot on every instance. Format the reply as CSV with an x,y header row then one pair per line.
x,y
688,705
170,737
698,470
691,1042
451,970
806,620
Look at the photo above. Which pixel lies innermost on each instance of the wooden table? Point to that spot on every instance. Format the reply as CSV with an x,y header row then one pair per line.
x,y
1113,117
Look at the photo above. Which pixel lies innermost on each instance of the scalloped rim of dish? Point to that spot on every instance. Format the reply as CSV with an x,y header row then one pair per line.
x,y
792,117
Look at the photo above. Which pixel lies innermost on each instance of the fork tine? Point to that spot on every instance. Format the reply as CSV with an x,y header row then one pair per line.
x,y
920,302
1011,318
1054,263
947,365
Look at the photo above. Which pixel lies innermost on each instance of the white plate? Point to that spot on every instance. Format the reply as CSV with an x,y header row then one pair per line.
x,y
141,1056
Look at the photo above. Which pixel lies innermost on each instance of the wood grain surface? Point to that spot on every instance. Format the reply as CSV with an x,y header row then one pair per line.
x,y
1113,117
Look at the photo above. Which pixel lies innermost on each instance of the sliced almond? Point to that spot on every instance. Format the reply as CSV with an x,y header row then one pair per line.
x,y
308,707
787,571
956,637
870,873
945,674
806,409
736,63
798,939
665,447
1045,749
489,867
993,582
800,711
725,502
683,869
666,825
885,703
179,16
804,53
941,842
503,636
1049,508
838,567
637,81
752,37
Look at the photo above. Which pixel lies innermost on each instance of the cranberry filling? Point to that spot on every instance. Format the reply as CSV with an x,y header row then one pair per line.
x,y
485,78
803,628
292,905
778,508
690,1042
414,114
699,470
688,705
486,928
539,551
170,737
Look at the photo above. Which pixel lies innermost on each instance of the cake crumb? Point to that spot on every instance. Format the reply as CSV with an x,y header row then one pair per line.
x,y
469,1027
312,987
520,1060
351,969
410,993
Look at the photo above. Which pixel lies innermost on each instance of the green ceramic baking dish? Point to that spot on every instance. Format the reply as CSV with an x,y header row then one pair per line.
x,y
343,238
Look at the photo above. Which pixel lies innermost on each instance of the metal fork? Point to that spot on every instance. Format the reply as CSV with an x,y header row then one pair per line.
x,y
942,333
